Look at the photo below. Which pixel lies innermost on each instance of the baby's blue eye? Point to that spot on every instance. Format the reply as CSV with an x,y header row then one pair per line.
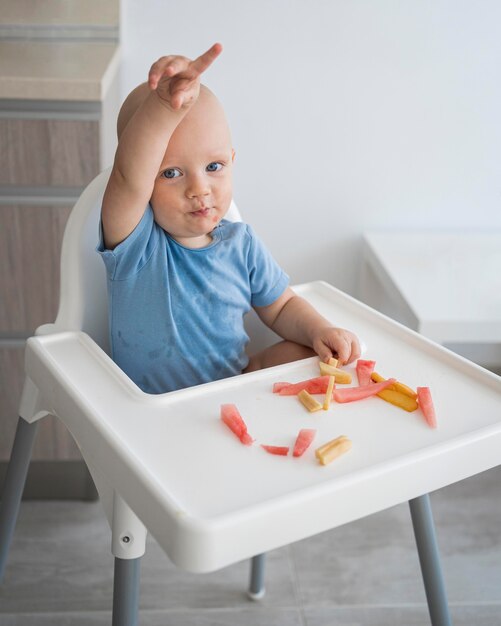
x,y
172,172
214,167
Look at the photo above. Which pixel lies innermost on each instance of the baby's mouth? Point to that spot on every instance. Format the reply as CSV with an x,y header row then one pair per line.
x,y
203,212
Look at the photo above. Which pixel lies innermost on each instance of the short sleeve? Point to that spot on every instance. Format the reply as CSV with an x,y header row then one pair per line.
x,y
132,253
268,281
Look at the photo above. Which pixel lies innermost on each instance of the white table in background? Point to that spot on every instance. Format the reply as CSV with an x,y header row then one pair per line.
x,y
447,286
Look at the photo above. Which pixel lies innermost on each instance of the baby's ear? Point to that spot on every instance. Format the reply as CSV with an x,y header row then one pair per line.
x,y
232,154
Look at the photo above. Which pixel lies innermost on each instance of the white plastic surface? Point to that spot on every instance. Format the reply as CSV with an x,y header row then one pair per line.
x,y
450,281
211,501
128,534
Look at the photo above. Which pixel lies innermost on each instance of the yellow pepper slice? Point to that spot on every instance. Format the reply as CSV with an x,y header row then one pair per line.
x,y
309,401
328,393
332,449
341,377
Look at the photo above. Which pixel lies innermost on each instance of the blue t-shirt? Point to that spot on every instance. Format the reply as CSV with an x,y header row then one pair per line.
x,y
176,313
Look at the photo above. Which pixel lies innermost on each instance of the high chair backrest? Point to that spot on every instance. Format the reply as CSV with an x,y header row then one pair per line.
x,y
83,302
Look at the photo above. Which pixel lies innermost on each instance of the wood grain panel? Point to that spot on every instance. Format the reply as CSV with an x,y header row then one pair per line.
x,y
53,440
30,245
42,152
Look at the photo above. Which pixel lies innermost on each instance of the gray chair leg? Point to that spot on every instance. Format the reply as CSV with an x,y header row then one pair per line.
x,y
15,480
256,587
429,558
126,592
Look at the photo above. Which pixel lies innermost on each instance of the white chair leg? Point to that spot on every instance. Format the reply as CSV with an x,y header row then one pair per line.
x,y
14,485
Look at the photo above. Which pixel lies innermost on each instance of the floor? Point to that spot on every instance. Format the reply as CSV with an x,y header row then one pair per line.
x,y
60,571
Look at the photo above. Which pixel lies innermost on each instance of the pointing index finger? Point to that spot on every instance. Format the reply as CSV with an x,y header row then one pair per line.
x,y
201,63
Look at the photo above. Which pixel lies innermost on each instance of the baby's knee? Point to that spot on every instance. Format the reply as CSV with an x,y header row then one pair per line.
x,y
289,351
255,363
278,354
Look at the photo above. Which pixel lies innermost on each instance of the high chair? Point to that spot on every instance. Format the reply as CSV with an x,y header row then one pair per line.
x,y
250,503
83,306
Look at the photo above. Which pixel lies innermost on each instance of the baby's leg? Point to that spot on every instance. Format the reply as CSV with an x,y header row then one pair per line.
x,y
282,352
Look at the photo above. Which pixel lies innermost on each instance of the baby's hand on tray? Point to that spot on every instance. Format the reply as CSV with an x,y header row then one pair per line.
x,y
336,342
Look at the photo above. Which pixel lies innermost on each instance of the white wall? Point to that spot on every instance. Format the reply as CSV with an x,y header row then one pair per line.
x,y
347,115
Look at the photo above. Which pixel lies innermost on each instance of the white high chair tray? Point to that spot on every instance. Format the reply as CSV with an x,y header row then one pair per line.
x,y
209,500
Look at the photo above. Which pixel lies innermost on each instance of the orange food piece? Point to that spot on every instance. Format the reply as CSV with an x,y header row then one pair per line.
x,y
397,385
399,399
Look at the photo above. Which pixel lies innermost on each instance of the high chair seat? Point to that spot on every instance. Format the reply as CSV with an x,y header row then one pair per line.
x,y
168,464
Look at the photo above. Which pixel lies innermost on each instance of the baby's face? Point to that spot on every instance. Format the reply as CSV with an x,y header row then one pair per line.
x,y
193,189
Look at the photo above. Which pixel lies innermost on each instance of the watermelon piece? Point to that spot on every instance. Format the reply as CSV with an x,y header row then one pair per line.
x,y
364,370
351,394
246,439
312,385
232,418
277,387
426,405
278,450
303,441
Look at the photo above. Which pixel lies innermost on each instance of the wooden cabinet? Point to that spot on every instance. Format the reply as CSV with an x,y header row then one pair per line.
x,y
46,152
30,243
50,150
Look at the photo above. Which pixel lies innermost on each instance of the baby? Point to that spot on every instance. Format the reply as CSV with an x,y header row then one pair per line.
x,y
180,276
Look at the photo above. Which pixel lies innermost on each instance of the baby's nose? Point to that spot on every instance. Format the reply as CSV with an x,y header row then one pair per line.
x,y
197,186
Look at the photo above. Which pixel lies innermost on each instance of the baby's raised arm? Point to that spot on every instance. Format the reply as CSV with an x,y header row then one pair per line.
x,y
174,83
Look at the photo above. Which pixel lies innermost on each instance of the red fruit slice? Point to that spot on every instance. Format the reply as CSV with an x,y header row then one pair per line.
x,y
351,394
426,405
232,418
312,385
364,371
303,441
279,450
277,387
246,439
